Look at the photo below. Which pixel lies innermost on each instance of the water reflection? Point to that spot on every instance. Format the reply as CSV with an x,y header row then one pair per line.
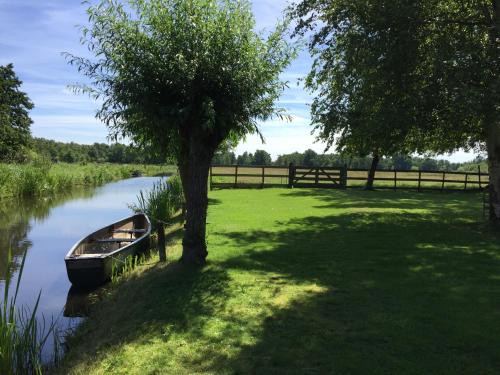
x,y
78,302
46,229
16,216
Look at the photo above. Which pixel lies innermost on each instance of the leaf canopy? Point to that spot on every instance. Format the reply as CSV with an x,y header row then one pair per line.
x,y
402,76
171,69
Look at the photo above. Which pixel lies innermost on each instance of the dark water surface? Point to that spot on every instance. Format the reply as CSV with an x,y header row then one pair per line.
x,y
46,229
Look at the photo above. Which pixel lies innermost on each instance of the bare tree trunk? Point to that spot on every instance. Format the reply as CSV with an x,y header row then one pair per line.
x,y
160,230
196,194
184,174
371,172
493,130
493,144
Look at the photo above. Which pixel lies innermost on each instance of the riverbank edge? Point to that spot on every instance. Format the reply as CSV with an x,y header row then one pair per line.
x,y
104,298
42,181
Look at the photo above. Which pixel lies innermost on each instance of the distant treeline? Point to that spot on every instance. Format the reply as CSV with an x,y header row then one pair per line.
x,y
95,153
124,154
313,159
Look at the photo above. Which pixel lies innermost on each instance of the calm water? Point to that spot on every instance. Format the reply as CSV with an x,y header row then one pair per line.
x,y
46,230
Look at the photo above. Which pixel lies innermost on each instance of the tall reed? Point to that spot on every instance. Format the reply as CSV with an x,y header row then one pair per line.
x,y
22,336
161,204
41,178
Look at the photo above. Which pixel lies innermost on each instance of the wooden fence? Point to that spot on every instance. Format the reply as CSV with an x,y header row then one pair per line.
x,y
234,176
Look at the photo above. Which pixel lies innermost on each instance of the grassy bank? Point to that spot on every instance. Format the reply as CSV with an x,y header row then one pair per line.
x,y
311,282
39,179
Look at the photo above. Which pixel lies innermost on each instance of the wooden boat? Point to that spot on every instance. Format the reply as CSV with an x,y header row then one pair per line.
x,y
91,261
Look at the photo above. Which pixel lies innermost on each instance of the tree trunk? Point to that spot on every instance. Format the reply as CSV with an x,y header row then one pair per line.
x,y
160,230
196,193
493,144
184,174
493,126
371,172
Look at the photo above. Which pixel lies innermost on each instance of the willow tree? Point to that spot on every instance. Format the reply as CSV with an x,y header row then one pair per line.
x,y
419,76
185,76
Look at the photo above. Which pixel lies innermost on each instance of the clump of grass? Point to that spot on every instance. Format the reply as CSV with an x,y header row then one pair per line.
x,y
161,204
22,336
130,263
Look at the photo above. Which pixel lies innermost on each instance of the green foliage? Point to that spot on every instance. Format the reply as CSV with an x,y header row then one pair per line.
x,y
261,157
363,104
245,159
403,76
22,336
174,69
14,118
95,153
162,201
224,158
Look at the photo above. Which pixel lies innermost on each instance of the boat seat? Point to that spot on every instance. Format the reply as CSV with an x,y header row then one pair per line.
x,y
129,231
90,255
111,240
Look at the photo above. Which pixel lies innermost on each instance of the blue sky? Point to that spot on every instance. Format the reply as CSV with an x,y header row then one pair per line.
x,y
34,33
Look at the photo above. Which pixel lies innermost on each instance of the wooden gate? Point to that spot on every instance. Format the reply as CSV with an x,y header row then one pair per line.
x,y
322,177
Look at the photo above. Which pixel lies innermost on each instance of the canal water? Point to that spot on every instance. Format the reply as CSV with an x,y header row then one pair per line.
x,y
45,229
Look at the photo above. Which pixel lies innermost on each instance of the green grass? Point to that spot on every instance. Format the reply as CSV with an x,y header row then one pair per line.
x,y
310,282
42,179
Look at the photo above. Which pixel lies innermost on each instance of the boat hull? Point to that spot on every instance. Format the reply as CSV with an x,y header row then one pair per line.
x,y
92,271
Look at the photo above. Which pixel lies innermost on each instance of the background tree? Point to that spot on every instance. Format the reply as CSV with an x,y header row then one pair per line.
x,y
402,162
310,158
245,159
261,157
364,106
184,75
421,75
14,118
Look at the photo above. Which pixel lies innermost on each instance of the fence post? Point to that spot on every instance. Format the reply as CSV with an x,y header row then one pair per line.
x,y
236,176
419,178
343,177
479,176
465,182
395,178
263,168
442,185
291,175
316,177
211,177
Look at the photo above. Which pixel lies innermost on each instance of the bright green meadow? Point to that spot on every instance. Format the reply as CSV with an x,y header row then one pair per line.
x,y
310,282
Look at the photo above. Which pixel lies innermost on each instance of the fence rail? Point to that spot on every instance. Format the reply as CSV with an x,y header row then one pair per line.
x,y
224,176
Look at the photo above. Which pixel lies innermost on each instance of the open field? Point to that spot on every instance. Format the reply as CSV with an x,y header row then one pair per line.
x,y
311,281
278,176
41,179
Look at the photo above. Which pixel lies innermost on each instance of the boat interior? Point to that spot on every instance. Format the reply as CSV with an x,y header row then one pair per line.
x,y
112,238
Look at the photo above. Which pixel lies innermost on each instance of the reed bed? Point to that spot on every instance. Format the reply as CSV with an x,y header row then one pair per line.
x,y
40,179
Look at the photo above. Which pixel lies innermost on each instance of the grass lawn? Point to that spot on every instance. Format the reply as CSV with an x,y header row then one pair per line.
x,y
311,282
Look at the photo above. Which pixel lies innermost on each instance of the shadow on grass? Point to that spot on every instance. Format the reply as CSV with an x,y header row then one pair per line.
x,y
166,300
397,292
213,201
404,293
387,199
